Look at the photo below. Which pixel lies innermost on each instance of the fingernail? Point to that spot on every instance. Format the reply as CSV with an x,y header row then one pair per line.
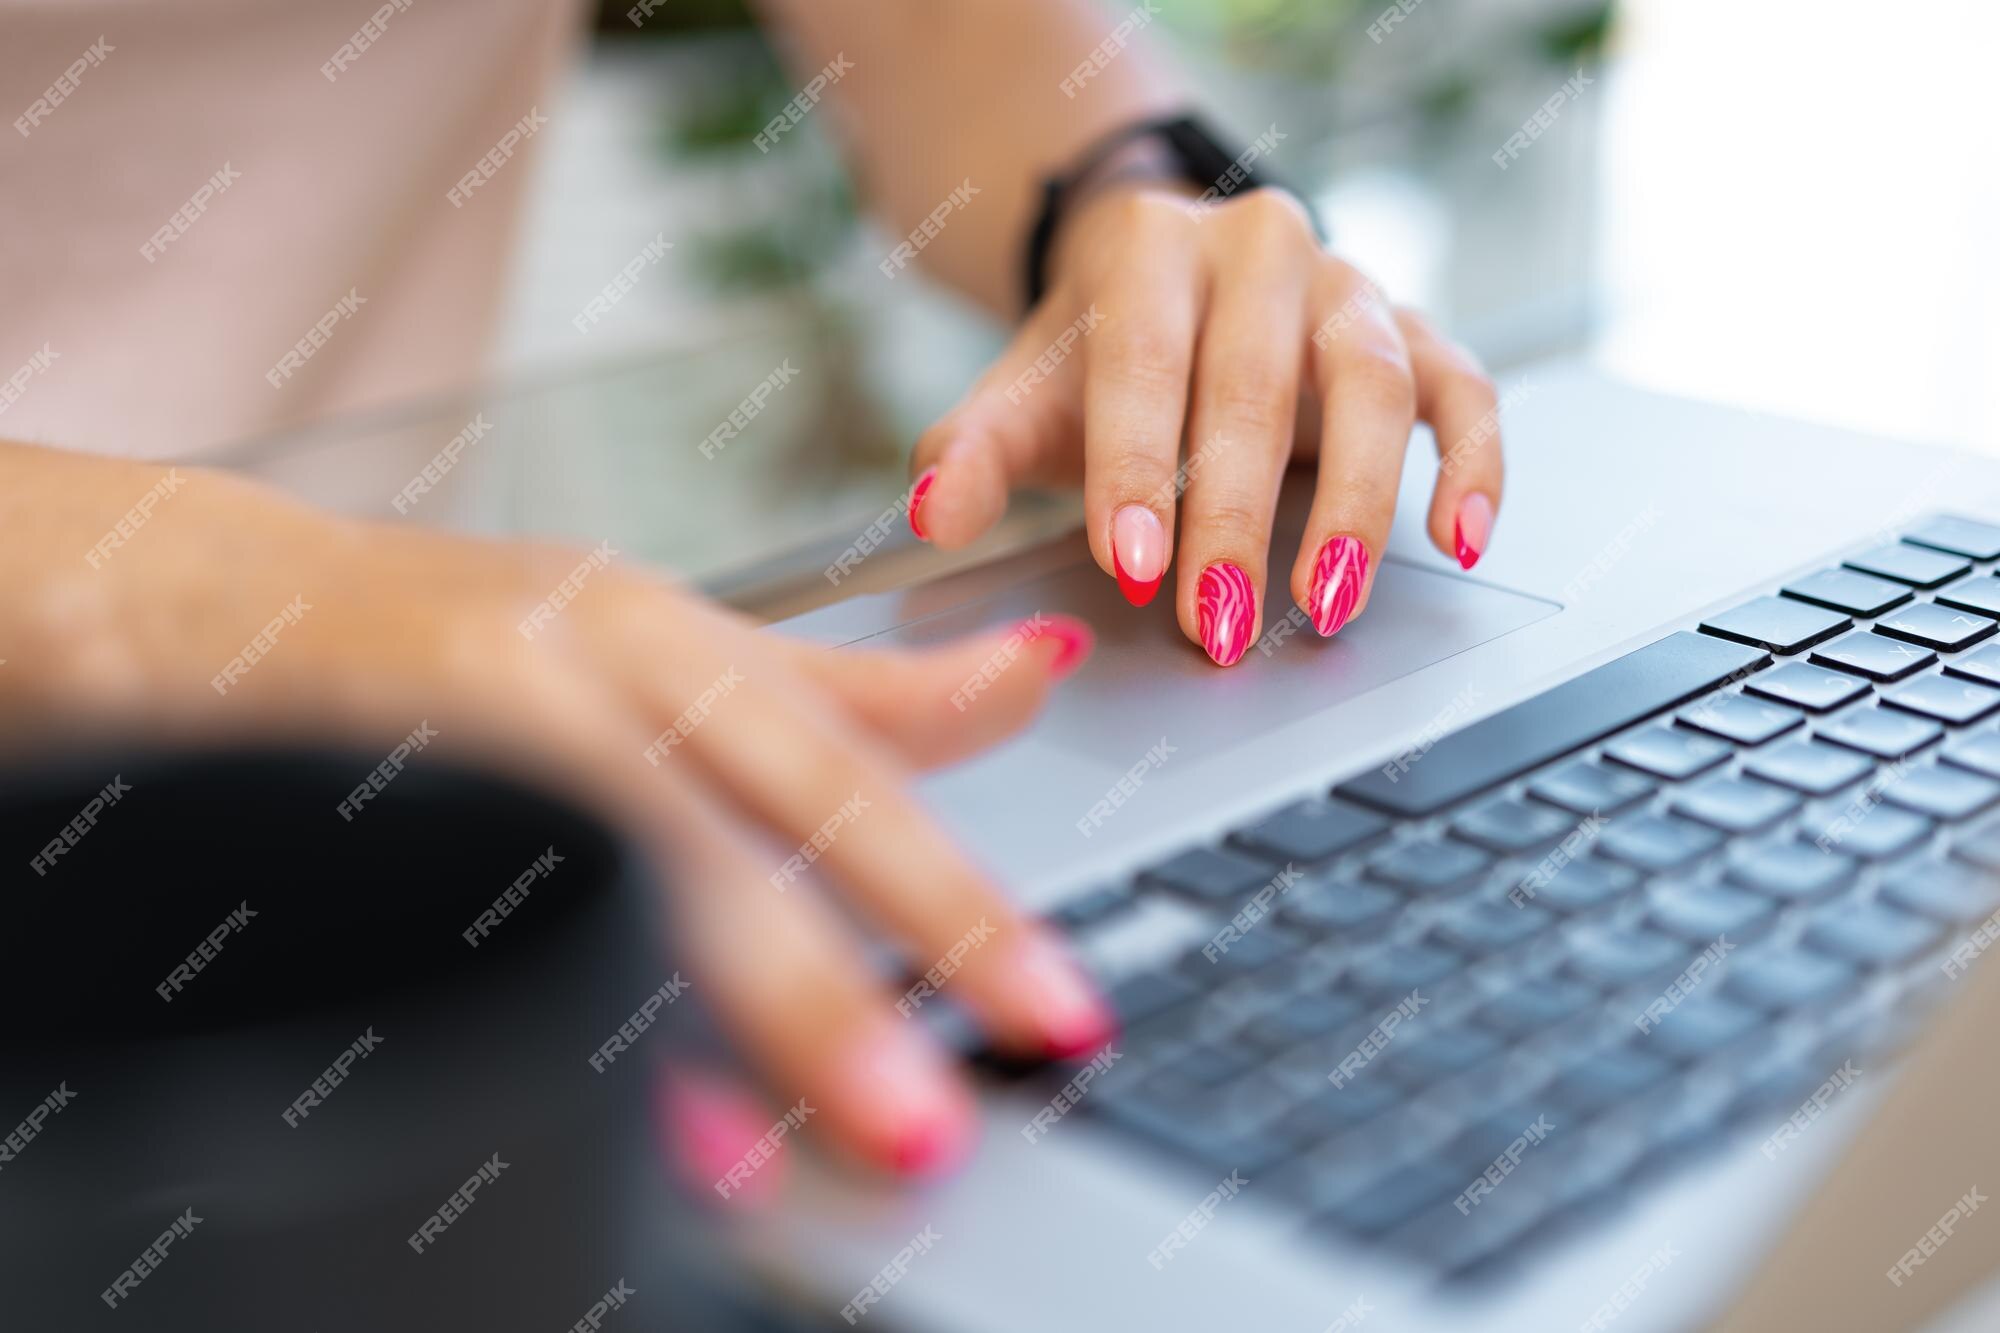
x,y
709,1123
1472,529
1338,573
917,494
1138,552
1075,640
1225,609
902,1083
1072,1017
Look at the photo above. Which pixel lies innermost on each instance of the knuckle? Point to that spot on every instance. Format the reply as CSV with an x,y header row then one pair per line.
x,y
1239,522
1146,216
1271,212
1146,358
1255,396
1379,374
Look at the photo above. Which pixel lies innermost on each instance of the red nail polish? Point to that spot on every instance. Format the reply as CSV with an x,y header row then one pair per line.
x,y
1338,573
915,1116
706,1124
1072,1017
1472,529
917,494
1075,638
1225,611
1138,552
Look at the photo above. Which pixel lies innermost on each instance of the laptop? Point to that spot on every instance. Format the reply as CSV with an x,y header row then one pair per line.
x,y
1519,959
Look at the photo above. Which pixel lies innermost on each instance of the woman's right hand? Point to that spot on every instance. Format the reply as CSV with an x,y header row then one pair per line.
x,y
730,754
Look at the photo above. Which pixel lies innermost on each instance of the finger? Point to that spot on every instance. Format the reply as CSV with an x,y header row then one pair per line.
x,y
1361,372
789,985
1018,424
943,704
1458,401
1135,393
839,799
1246,389
707,1123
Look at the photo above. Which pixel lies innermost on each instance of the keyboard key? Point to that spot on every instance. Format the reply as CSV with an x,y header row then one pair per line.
x,y
1702,912
1089,908
1604,700
1309,832
1909,564
1778,979
1792,871
1251,951
1483,928
1951,891
1873,833
1668,752
1302,1017
1396,1198
1983,665
1702,1025
1978,751
1734,717
1511,827
1980,593
1607,1079
1430,866
1882,732
1533,1007
1779,624
1586,788
1958,536
1846,590
1337,907
1581,885
1430,1056
1212,874
1735,805
1147,994
1656,842
1942,792
1623,957
1874,656
1398,969
1812,688
1808,766
1935,626
1872,934
1955,701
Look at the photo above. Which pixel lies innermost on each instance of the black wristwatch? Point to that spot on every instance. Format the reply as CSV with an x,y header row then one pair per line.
x,y
1192,154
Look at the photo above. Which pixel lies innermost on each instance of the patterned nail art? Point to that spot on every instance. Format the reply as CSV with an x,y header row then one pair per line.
x,y
917,494
1338,573
1225,611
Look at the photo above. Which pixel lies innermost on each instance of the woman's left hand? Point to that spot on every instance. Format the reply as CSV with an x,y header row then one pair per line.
x,y
1225,325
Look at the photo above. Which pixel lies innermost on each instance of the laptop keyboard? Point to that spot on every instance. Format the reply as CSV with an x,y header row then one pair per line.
x,y
1658,902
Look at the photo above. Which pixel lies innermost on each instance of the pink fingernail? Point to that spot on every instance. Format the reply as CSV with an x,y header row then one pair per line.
x,y
709,1123
1075,638
1338,573
923,1119
917,494
1472,529
1072,1016
1225,611
1138,552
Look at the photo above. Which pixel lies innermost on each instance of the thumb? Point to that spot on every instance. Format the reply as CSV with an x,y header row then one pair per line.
x,y
937,705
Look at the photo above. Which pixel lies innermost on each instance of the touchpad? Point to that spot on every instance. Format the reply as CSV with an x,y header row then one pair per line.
x,y
1145,670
